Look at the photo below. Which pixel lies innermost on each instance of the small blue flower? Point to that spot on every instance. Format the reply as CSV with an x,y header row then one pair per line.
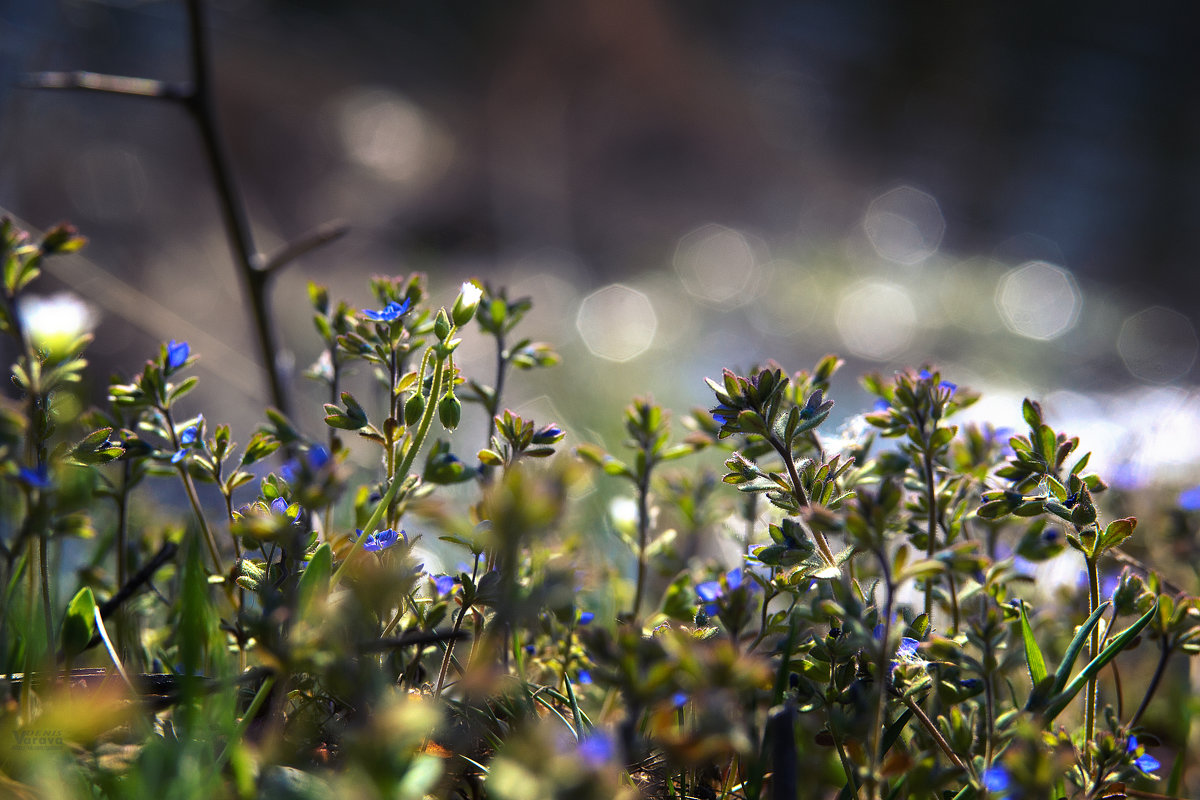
x,y
997,781
948,387
586,617
530,649
177,354
390,313
1189,499
679,699
596,748
190,434
38,478
1144,762
924,375
907,651
720,419
280,506
733,578
709,591
584,676
382,540
882,405
444,584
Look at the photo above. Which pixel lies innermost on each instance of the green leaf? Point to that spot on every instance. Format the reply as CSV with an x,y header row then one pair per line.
x,y
79,625
314,582
1033,654
1117,531
1064,669
1118,643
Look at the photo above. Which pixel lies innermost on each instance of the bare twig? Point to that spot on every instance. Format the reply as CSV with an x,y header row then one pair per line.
x,y
254,269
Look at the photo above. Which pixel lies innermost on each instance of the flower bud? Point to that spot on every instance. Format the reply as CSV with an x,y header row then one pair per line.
x,y
466,304
413,409
441,325
449,412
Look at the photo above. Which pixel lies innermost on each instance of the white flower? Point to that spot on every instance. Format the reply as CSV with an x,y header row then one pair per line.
x,y
56,321
471,294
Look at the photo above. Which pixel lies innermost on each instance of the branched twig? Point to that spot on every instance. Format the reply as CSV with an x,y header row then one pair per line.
x,y
196,96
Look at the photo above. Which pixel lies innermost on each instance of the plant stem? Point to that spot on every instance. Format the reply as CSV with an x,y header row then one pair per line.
x,y
414,447
933,731
931,544
458,621
44,568
1089,711
802,499
1159,670
643,533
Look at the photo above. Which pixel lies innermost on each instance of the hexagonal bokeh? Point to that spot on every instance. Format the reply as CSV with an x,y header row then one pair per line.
x,y
876,320
716,264
904,225
617,323
1038,300
1158,344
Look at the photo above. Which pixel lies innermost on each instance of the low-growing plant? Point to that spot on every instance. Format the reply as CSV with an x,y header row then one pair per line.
x,y
878,635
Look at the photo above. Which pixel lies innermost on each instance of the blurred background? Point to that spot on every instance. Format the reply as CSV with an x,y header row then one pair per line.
x,y
1006,191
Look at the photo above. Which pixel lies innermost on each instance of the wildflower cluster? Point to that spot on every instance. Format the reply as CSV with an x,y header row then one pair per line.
x,y
382,608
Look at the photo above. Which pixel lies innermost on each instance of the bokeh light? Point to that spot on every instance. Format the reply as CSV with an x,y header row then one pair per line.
x,y
616,323
876,320
1157,344
1038,300
716,264
904,225
392,137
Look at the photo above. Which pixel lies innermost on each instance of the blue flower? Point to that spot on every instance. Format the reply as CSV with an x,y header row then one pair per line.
x,y
38,478
882,405
584,677
1189,499
709,591
316,458
444,584
189,435
907,651
382,540
948,387
585,617
531,649
1144,762
679,699
924,375
596,748
997,781
390,313
177,354
280,506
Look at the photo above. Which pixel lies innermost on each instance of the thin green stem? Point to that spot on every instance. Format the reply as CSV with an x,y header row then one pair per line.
x,y
643,490
931,545
1089,712
44,569
1159,670
409,457
260,697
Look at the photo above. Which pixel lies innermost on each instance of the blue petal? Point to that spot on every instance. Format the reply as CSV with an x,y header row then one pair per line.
x,y
709,591
586,617
177,354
